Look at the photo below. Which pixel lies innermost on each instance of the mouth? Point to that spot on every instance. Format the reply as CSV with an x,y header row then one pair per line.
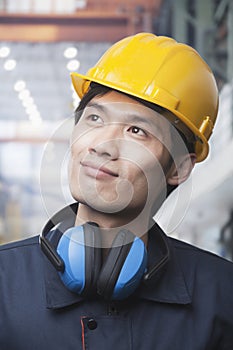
x,y
98,171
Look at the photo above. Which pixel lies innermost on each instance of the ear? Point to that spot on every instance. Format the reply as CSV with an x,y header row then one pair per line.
x,y
181,169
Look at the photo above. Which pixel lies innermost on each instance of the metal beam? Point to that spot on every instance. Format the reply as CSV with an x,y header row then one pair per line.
x,y
204,14
83,26
179,29
230,42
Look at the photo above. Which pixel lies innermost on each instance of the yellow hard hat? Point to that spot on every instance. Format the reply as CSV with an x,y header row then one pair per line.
x,y
162,71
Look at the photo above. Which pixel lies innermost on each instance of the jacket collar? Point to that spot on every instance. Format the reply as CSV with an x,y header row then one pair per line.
x,y
167,285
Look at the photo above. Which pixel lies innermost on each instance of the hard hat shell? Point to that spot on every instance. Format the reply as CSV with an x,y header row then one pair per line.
x,y
160,70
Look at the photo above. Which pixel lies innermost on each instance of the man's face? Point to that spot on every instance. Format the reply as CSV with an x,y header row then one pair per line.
x,y
119,149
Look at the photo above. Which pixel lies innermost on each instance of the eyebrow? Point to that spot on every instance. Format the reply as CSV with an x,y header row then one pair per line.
x,y
141,120
96,105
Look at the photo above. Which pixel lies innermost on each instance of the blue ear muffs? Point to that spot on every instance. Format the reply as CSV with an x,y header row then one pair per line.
x,y
121,273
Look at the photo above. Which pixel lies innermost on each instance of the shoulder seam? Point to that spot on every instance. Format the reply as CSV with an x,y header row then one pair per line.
x,y
19,244
189,247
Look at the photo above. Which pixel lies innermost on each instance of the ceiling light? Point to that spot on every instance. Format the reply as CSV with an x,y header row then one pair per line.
x,y
4,51
70,52
32,110
73,65
19,85
24,94
28,102
9,65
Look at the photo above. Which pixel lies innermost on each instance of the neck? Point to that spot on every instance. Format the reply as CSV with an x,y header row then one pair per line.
x,y
111,224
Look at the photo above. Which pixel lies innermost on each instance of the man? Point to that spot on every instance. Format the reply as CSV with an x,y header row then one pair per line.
x,y
147,110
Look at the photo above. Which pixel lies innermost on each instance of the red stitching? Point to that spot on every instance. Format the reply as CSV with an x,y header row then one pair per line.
x,y
83,334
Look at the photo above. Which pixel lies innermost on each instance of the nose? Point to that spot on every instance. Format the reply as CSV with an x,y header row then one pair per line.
x,y
106,145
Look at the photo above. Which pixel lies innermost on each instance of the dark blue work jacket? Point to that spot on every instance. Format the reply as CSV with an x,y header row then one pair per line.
x,y
187,305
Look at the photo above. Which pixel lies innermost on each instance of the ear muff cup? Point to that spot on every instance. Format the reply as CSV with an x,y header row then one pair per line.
x,y
79,248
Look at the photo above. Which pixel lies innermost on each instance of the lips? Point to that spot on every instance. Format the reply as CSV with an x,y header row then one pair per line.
x,y
97,170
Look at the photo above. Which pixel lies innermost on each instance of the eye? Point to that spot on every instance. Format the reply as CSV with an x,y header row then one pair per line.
x,y
137,131
94,118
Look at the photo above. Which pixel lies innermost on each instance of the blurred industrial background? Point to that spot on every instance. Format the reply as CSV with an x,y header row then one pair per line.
x,y
41,41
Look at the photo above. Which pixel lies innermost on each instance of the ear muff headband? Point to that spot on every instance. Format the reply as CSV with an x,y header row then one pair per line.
x,y
124,267
93,257
46,247
112,267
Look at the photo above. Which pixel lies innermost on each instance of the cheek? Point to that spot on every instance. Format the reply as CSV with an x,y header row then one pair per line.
x,y
144,161
146,178
71,168
77,148
73,160
78,142
150,177
81,136
146,172
72,176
